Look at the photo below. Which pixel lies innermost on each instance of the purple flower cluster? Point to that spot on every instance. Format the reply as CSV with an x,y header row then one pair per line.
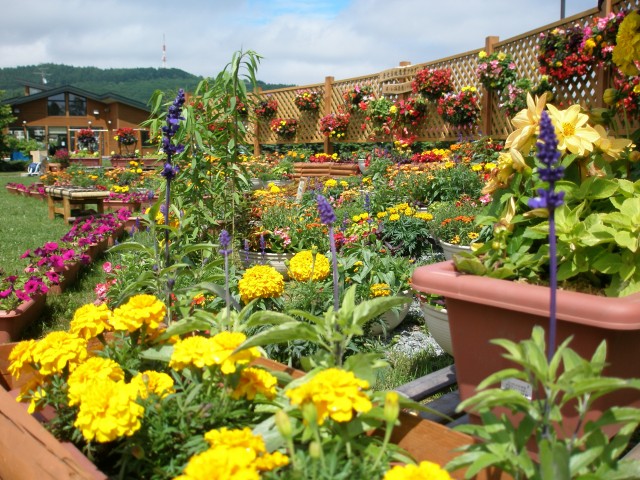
x,y
10,286
325,210
174,115
225,242
550,172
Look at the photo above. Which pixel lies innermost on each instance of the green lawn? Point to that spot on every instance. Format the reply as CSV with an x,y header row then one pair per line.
x,y
24,224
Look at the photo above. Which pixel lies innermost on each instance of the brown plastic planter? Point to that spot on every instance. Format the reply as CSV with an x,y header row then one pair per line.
x,y
481,309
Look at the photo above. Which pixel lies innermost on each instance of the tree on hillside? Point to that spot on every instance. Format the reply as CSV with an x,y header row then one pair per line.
x,y
6,117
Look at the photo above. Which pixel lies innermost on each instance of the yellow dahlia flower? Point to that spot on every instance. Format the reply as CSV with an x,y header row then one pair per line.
x,y
572,130
261,281
627,50
139,310
526,123
335,393
303,266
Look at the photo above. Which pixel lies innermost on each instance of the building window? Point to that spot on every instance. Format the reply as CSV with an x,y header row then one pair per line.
x,y
77,105
146,138
56,105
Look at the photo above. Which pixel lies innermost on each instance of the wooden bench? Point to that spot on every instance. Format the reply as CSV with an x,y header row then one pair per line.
x,y
61,199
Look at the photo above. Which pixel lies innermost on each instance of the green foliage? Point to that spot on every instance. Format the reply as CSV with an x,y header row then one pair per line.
x,y
567,382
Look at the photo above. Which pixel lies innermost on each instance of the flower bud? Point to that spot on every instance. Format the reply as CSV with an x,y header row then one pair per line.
x,y
391,407
283,423
609,96
315,450
310,413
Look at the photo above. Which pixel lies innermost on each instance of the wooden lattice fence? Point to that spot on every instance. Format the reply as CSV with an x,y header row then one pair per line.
x,y
395,83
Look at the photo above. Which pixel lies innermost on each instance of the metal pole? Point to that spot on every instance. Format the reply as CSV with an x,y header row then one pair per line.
x,y
562,9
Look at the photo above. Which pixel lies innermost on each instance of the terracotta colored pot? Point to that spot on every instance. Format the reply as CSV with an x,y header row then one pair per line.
x,y
122,162
481,309
68,274
13,322
96,249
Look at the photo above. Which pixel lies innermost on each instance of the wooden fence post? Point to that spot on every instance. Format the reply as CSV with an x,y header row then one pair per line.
x,y
256,127
328,93
487,98
603,74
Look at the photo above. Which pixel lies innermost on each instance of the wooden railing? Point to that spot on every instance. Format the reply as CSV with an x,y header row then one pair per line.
x,y
395,83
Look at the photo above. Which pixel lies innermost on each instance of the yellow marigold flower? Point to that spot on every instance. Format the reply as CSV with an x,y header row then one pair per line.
x,y
273,188
224,343
109,411
381,214
380,290
476,167
85,374
335,393
151,381
394,217
344,184
243,438
271,461
21,358
32,391
59,350
424,471
392,210
90,320
408,211
402,206
138,311
330,183
489,166
255,381
218,464
261,281
304,267
426,216
194,350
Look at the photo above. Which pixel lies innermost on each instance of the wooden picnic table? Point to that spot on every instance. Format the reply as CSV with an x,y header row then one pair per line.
x,y
61,199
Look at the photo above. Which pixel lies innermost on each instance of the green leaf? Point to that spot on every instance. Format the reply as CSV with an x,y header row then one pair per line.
x,y
554,461
284,332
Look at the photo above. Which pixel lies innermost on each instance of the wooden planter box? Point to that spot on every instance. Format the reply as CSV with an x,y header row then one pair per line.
x,y
123,162
152,163
49,458
13,322
87,162
326,169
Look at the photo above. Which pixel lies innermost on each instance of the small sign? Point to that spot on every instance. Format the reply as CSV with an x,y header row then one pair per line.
x,y
396,88
302,186
394,73
524,388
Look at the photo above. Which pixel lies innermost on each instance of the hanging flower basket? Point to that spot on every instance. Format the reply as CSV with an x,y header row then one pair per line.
x,y
285,128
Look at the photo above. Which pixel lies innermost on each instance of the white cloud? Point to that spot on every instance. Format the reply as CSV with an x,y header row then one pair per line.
x,y
301,41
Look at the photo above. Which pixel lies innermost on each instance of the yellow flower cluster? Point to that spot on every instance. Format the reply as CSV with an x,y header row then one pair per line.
x,y
208,351
261,281
95,368
235,454
335,393
138,311
304,267
90,320
424,471
361,217
330,184
152,382
627,50
254,381
380,290
108,410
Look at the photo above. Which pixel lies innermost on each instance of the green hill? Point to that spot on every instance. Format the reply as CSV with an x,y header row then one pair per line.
x,y
134,83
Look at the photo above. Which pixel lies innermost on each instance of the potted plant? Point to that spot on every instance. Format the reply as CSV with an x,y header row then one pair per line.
x,y
86,138
496,70
460,109
266,108
432,83
334,125
454,226
125,136
358,97
307,100
22,300
498,289
284,128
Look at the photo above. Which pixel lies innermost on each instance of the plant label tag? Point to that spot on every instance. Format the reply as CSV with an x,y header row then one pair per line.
x,y
524,388
302,186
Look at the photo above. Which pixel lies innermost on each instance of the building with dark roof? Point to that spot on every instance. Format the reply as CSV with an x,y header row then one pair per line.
x,y
52,116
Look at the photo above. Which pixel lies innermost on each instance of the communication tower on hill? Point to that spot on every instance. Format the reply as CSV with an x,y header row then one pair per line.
x,y
164,53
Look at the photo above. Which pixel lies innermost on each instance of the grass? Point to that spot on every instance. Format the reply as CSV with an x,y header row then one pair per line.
x,y
24,224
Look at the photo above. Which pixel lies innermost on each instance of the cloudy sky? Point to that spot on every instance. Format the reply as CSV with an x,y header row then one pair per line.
x,y
301,41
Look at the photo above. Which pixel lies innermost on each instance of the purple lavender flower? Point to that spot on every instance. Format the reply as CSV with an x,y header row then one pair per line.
x,y
225,241
550,172
246,250
169,171
327,215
